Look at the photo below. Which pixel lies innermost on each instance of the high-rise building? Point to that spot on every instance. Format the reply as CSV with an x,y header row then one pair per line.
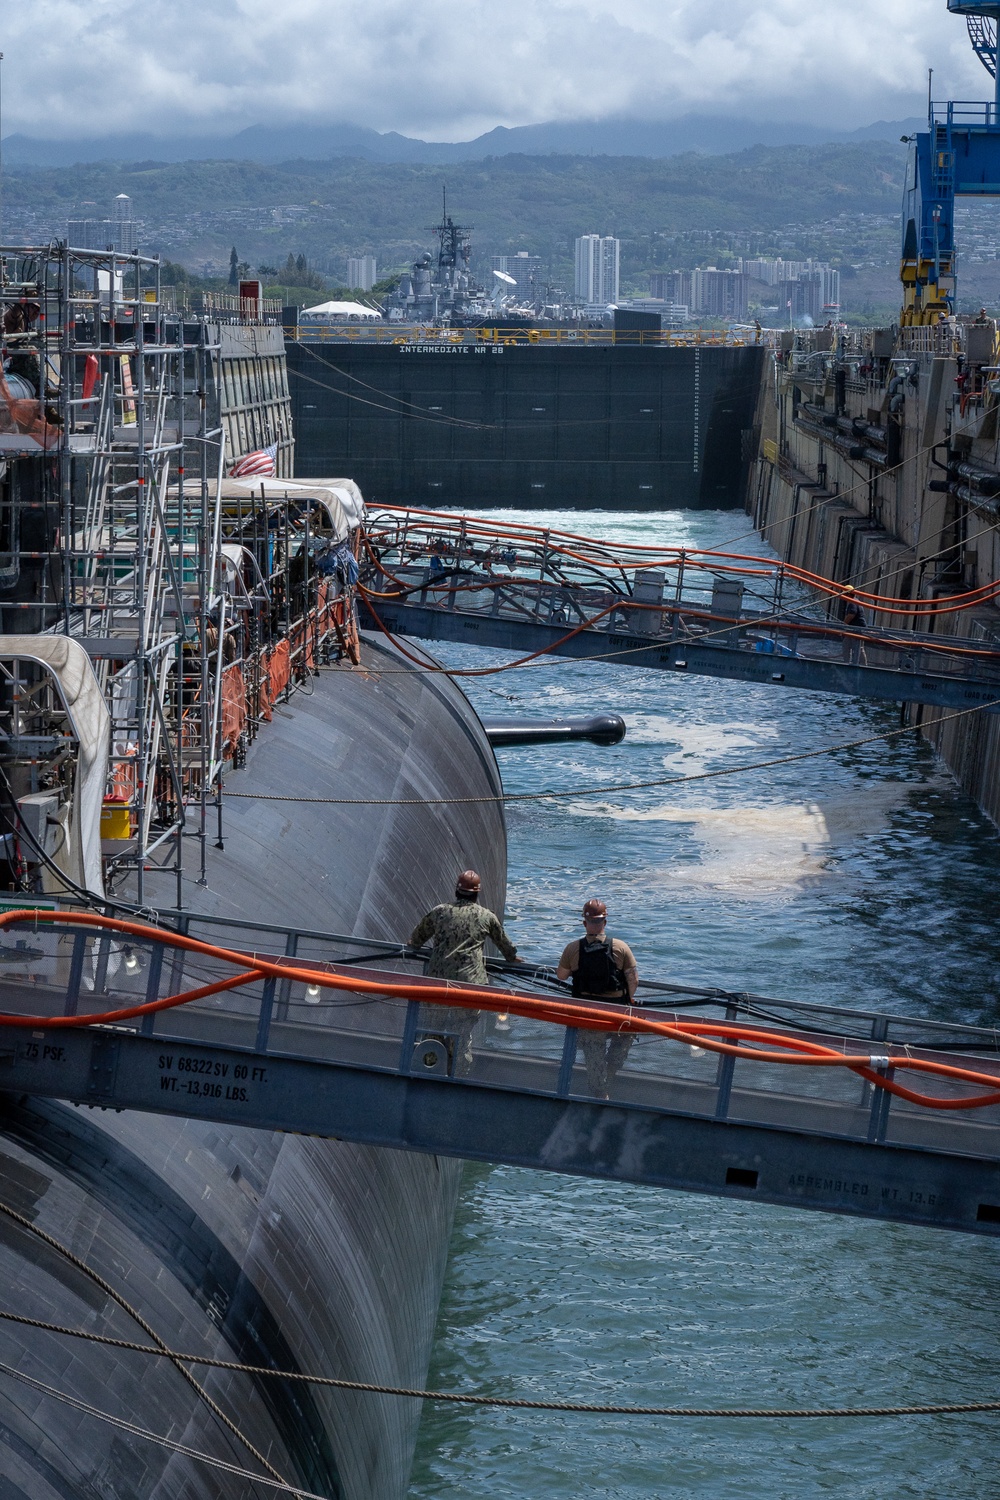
x,y
123,224
587,260
720,294
671,286
361,272
117,233
597,269
526,269
610,258
814,293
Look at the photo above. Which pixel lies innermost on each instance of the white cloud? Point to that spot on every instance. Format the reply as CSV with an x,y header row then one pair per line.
x,y
431,68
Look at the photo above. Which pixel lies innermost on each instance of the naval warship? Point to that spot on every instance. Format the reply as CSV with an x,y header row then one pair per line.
x,y
458,400
169,634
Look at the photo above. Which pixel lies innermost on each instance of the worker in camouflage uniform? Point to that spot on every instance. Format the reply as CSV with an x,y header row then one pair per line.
x,y
460,930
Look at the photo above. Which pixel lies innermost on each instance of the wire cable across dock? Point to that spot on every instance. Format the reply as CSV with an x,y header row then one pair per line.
x,y
517,1403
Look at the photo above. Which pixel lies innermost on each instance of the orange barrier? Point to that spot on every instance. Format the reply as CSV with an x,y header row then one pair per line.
x,y
723,1037
278,671
234,708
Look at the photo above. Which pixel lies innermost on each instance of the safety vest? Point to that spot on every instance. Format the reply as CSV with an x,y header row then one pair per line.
x,y
596,972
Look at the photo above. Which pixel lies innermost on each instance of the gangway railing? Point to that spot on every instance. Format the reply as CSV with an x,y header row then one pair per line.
x,y
745,618
815,1106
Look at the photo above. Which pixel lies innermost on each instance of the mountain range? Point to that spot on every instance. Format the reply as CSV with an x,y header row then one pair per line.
x,y
711,134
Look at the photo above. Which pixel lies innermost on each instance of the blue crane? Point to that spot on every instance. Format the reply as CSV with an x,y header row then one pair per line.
x,y
957,156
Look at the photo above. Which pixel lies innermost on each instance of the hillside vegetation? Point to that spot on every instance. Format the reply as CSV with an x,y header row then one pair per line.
x,y
328,209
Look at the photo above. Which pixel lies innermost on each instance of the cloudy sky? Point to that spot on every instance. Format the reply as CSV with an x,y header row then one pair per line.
x,y
449,69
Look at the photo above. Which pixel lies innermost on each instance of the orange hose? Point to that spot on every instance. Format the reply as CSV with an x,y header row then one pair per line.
x,y
720,1037
691,612
489,671
886,603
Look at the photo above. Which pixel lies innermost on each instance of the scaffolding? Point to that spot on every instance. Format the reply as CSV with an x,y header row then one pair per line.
x,y
196,609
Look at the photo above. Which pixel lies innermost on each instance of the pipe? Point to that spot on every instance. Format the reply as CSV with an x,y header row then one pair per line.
x,y
870,455
986,480
599,729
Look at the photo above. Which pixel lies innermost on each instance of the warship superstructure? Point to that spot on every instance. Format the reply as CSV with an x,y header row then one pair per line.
x,y
165,631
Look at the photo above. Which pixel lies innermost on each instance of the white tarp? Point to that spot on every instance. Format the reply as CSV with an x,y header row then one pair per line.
x,y
69,663
340,312
340,498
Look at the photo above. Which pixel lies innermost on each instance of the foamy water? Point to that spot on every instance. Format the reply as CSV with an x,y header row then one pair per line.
x,y
864,877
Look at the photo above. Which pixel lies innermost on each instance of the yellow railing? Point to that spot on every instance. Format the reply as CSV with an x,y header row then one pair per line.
x,y
368,333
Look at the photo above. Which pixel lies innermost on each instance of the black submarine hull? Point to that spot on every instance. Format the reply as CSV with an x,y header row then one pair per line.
x,y
299,1254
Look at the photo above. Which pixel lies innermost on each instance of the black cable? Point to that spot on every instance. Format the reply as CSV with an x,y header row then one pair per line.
x,y
7,792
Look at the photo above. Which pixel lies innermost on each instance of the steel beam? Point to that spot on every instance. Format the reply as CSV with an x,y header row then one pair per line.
x,y
115,1068
631,649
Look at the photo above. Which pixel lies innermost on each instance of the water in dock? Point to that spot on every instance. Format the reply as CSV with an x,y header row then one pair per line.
x,y
863,877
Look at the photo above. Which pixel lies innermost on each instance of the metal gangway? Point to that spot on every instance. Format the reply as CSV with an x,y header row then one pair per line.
x,y
746,618
812,1106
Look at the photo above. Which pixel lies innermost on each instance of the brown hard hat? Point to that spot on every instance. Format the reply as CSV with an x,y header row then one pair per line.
x,y
469,881
595,910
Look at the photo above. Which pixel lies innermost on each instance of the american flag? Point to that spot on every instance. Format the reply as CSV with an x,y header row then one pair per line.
x,y
262,461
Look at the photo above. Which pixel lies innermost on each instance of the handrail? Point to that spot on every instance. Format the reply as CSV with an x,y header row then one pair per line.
x,y
509,337
738,1040
418,534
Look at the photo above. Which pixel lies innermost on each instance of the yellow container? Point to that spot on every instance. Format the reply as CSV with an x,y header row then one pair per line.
x,y
116,822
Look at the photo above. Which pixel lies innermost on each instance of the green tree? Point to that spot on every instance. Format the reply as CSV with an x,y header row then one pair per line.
x,y
234,267
296,272
386,285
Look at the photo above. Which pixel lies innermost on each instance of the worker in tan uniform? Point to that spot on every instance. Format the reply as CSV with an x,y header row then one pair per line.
x,y
602,968
460,930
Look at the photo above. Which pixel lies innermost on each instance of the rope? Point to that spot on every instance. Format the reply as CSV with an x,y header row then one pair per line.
x,y
155,1437
603,791
136,1316
518,1403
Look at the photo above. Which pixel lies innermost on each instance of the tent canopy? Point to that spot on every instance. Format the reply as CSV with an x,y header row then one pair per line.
x,y
340,312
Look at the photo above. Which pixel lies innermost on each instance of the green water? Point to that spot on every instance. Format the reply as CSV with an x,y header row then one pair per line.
x,y
865,877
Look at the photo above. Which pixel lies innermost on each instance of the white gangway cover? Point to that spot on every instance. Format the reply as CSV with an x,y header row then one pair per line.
x,y
340,498
69,663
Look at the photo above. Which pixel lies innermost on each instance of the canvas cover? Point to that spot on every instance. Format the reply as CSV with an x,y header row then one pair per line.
x,y
67,660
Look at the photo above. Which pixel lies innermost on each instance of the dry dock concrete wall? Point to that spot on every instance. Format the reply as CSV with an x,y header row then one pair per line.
x,y
862,477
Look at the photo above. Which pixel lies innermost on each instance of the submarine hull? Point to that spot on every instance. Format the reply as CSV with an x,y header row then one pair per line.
x,y
299,1254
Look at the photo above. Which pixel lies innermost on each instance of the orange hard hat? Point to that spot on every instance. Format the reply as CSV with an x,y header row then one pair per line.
x,y
595,911
469,883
